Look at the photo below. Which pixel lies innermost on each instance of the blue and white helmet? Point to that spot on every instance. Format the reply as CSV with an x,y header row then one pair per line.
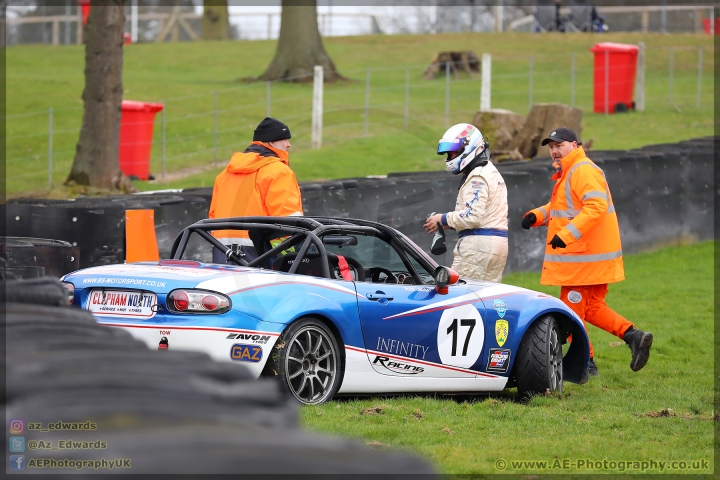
x,y
464,139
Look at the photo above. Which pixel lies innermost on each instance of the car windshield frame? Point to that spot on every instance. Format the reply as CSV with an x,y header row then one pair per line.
x,y
303,231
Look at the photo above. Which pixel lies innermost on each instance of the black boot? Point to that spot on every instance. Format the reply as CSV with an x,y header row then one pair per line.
x,y
592,368
639,343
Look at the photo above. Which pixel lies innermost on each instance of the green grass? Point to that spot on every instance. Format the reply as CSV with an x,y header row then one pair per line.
x,y
186,74
613,417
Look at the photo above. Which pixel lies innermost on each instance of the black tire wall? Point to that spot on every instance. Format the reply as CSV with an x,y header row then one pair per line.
x,y
663,195
171,412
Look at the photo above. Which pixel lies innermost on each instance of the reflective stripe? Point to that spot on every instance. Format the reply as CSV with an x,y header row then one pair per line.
x,y
596,194
296,214
611,209
579,258
568,191
564,213
544,212
573,229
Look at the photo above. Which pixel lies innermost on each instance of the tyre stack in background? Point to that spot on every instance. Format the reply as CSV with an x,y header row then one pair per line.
x,y
663,195
169,412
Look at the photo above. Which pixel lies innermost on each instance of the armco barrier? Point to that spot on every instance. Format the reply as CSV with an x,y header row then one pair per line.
x,y
663,195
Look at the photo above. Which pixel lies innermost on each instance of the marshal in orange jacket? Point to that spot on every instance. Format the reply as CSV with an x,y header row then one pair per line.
x,y
256,182
582,214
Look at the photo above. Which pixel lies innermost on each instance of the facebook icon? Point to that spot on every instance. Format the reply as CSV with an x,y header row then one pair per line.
x,y
17,462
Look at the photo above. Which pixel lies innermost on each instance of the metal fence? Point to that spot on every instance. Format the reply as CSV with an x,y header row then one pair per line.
x,y
202,130
59,24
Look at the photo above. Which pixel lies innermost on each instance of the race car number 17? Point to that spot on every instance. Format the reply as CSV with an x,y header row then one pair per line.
x,y
460,336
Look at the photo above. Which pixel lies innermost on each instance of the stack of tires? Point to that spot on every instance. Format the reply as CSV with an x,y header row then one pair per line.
x,y
25,257
141,411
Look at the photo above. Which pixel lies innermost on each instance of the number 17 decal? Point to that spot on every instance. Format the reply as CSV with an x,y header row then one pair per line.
x,y
465,322
460,336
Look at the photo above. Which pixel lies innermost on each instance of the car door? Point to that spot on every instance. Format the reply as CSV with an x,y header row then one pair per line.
x,y
410,329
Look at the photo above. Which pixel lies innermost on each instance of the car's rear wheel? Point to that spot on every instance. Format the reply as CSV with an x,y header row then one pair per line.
x,y
538,366
309,363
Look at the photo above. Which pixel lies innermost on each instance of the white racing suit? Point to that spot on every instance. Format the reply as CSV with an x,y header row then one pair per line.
x,y
480,218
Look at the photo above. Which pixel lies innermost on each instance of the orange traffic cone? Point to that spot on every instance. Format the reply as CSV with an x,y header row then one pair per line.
x,y
140,240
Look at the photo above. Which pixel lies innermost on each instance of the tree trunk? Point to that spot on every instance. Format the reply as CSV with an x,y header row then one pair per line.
x,y
543,118
96,154
215,24
300,47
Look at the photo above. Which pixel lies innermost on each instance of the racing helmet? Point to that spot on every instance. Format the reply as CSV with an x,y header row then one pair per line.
x,y
464,139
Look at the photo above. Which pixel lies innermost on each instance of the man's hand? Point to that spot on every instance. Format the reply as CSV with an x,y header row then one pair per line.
x,y
557,242
528,221
431,225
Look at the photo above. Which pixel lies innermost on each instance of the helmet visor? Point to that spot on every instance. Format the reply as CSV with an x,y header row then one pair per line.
x,y
456,145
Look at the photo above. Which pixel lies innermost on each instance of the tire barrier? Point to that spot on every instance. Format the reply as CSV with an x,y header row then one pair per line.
x,y
166,411
23,257
36,291
663,195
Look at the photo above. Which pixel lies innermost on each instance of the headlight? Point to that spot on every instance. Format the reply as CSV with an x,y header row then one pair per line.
x,y
197,301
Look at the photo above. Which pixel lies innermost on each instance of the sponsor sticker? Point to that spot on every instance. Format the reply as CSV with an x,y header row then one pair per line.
x,y
574,296
500,307
498,360
121,303
501,331
251,337
397,367
246,353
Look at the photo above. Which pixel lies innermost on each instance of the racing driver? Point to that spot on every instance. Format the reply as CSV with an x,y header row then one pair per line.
x,y
481,209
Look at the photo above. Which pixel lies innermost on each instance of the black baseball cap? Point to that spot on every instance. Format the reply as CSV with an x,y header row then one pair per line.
x,y
561,134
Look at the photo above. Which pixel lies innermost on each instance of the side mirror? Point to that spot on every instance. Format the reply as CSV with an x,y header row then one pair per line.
x,y
445,276
340,240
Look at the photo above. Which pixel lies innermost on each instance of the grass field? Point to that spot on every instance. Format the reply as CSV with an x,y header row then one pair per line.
x,y
185,75
662,413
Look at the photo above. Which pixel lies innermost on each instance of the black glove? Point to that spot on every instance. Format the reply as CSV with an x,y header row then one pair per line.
x,y
528,221
557,242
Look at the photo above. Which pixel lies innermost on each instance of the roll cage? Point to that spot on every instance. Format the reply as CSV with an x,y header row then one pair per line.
x,y
302,231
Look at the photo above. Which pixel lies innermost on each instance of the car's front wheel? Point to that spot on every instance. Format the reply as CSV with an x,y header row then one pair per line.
x,y
308,362
538,366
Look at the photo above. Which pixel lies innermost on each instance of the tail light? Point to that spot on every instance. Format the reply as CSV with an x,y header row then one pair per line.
x,y
197,301
70,291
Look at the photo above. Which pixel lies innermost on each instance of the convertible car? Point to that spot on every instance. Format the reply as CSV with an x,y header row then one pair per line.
x,y
338,306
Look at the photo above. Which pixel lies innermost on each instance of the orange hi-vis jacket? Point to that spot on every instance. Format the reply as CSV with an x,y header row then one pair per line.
x,y
256,182
582,214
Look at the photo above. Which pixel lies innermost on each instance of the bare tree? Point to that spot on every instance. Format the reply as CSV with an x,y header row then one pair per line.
x,y
300,46
215,22
96,154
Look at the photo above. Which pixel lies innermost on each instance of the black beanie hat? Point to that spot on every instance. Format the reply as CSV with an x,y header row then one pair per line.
x,y
271,130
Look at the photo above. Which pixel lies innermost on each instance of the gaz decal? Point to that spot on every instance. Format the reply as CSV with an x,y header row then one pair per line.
x,y
246,353
460,336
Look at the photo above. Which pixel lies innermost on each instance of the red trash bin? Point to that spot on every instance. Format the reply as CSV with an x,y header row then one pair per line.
x,y
711,28
621,60
85,6
136,135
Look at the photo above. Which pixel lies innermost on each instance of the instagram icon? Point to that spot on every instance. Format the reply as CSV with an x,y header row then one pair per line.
x,y
16,426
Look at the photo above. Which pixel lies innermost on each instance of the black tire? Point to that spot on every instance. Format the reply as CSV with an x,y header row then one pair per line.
x,y
538,366
35,291
307,361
